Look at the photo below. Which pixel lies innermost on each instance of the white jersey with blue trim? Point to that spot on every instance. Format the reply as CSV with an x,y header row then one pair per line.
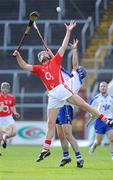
x,y
104,104
73,80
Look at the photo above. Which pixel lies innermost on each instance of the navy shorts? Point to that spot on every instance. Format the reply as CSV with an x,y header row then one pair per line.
x,y
65,115
101,127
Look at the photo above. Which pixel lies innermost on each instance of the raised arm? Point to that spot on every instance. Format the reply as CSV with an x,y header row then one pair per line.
x,y
66,38
21,62
75,54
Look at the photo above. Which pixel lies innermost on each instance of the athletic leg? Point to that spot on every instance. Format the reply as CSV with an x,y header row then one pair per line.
x,y
64,145
68,133
7,132
77,100
96,143
52,116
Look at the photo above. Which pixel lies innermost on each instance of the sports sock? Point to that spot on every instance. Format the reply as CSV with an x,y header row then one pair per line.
x,y
78,156
65,155
46,145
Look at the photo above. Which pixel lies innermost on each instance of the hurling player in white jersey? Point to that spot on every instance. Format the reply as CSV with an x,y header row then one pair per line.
x,y
7,110
65,116
104,103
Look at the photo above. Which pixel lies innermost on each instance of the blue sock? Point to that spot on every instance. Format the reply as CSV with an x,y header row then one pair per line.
x,y
65,154
78,155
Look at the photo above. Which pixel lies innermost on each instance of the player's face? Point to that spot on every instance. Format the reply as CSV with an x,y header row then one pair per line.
x,y
103,88
5,90
44,56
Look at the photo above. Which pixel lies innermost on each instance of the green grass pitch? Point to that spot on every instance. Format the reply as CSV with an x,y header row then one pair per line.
x,y
19,163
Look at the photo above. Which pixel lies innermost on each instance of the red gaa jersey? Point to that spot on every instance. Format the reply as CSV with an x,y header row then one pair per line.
x,y
6,104
50,72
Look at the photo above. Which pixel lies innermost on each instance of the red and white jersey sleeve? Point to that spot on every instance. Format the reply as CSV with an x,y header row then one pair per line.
x,y
6,104
50,72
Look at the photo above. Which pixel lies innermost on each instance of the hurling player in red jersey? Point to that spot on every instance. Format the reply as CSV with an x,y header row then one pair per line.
x,y
50,73
7,110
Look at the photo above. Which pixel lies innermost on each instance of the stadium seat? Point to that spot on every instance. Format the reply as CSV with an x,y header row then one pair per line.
x,y
32,38
30,83
9,10
79,9
45,9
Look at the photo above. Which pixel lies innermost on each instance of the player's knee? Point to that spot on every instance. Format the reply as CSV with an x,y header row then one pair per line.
x,y
61,136
51,124
68,135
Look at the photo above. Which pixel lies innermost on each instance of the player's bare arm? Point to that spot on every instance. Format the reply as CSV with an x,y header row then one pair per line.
x,y
66,38
1,106
21,62
74,46
15,113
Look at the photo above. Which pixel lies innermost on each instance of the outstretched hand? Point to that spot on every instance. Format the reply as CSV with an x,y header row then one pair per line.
x,y
16,53
74,44
71,25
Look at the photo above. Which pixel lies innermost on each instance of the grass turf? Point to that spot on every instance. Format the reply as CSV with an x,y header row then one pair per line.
x,y
19,163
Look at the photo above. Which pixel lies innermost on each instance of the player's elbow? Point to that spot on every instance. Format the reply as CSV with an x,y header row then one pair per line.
x,y
64,47
62,50
23,66
26,67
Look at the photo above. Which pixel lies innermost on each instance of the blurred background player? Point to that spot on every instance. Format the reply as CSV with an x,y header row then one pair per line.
x,y
104,103
65,116
7,110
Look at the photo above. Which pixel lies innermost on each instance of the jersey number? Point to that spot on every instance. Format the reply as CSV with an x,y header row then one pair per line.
x,y
48,76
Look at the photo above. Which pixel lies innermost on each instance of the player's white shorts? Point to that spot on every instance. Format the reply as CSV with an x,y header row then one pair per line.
x,y
7,120
58,96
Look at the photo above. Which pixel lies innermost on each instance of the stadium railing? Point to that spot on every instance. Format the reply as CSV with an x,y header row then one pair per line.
x,y
110,32
100,71
87,24
99,6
